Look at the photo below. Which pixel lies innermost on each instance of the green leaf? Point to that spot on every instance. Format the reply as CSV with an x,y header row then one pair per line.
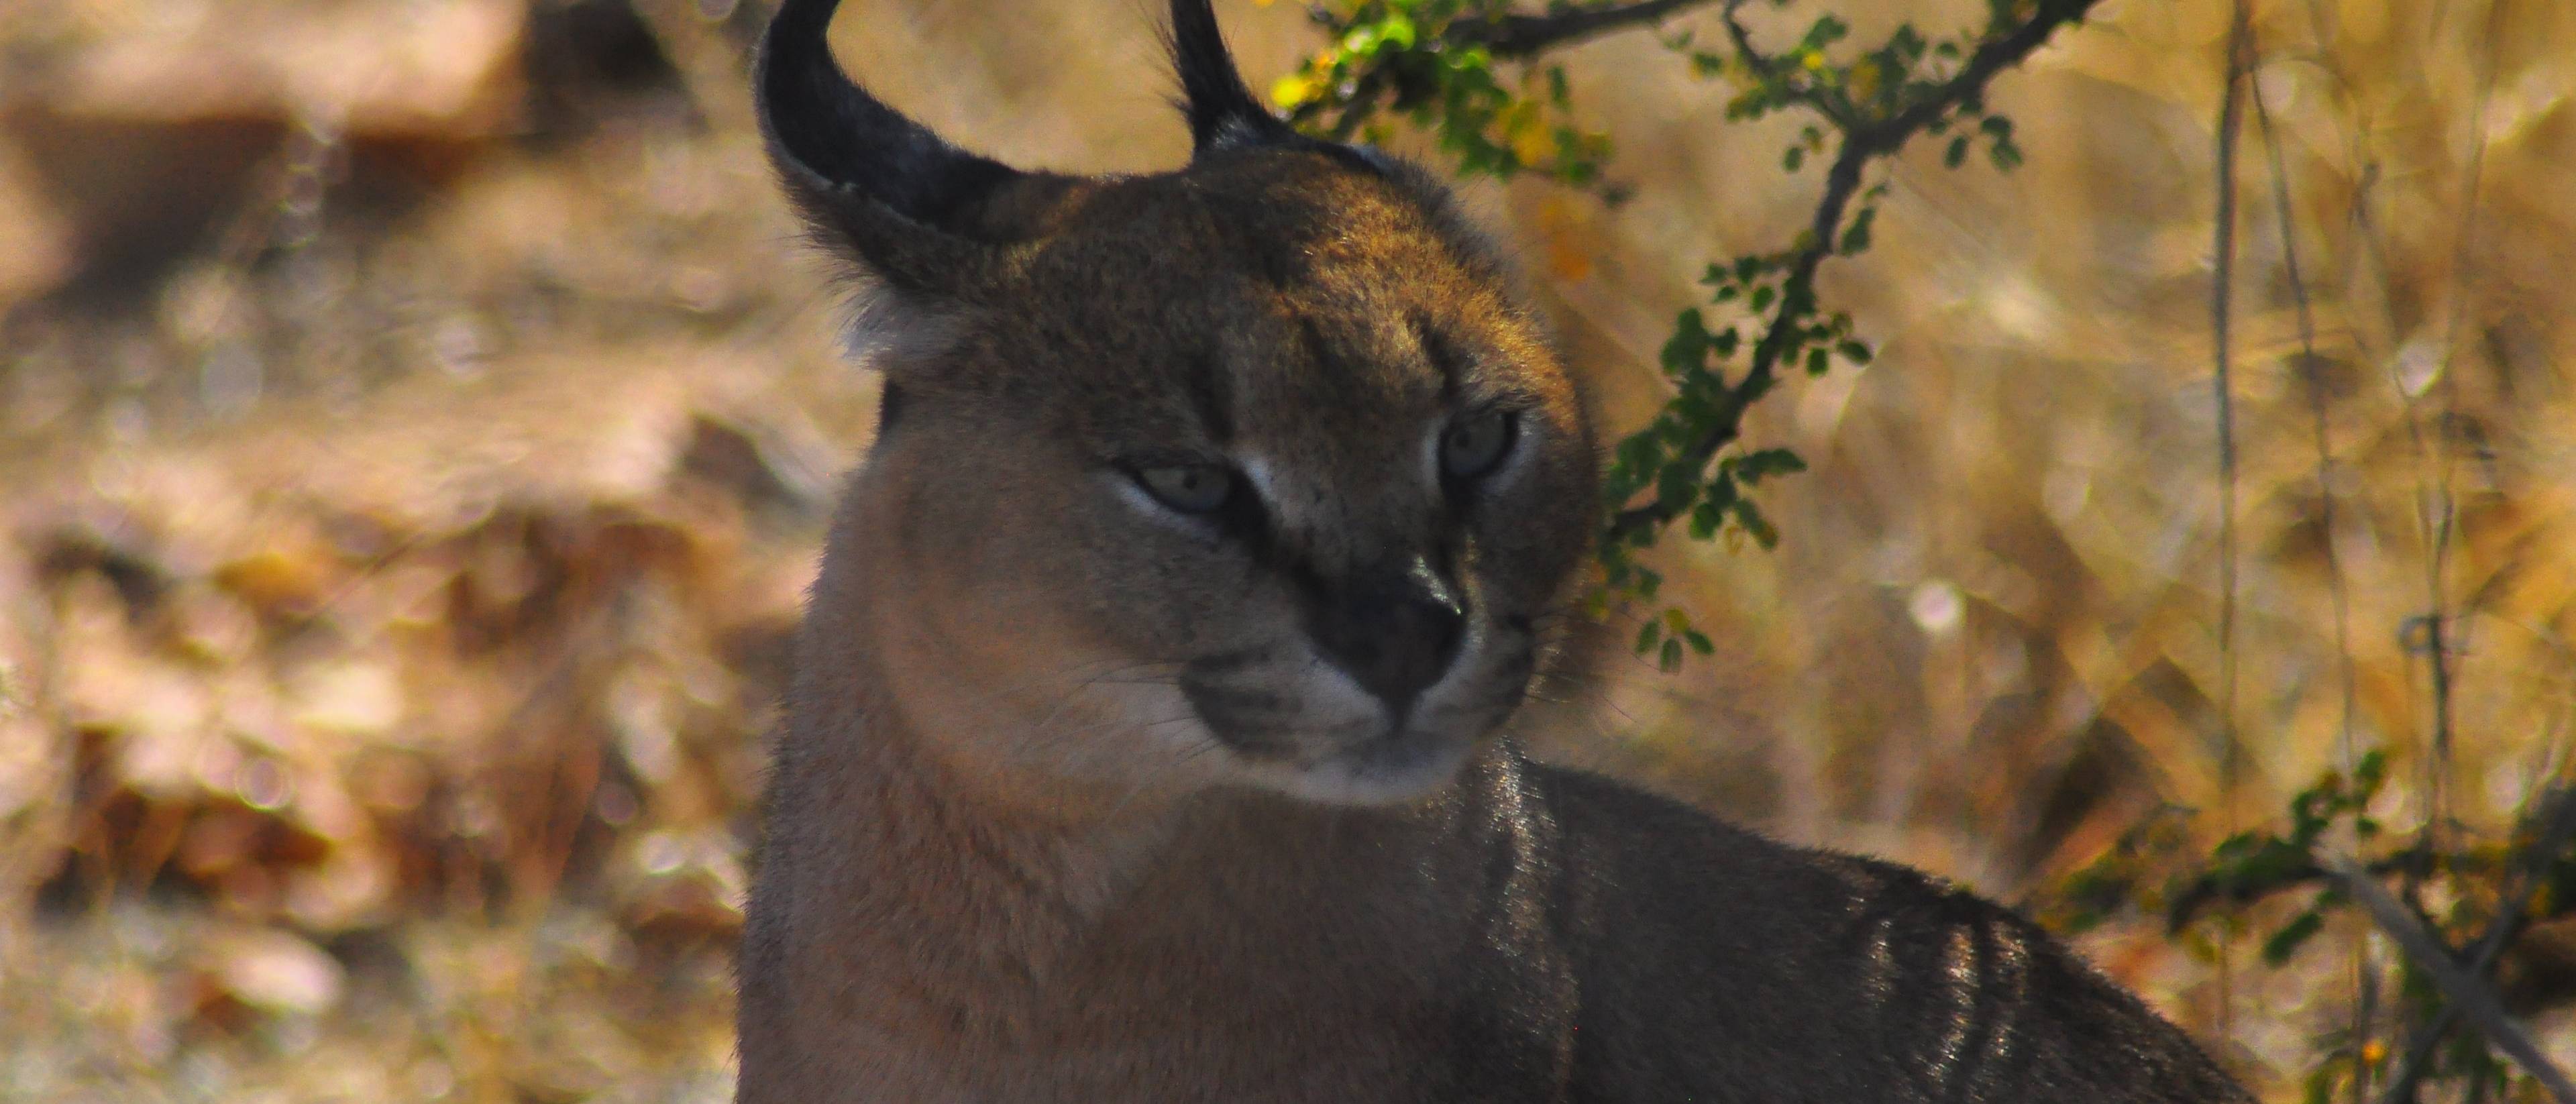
x,y
1676,488
1686,348
1671,660
2285,942
1648,634
1957,154
2371,771
1700,642
1750,517
1398,31
1854,351
1856,236
1792,158
1704,520
1753,467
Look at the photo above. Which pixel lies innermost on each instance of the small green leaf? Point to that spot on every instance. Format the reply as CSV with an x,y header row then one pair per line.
x,y
1792,158
1856,236
1671,660
1753,467
1648,634
1704,520
2285,942
1750,517
1957,154
1398,30
1699,641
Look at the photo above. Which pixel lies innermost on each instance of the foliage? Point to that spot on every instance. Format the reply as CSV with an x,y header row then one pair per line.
x,y
2476,895
1434,63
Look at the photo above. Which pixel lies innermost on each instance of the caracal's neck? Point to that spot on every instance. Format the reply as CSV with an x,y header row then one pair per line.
x,y
915,897
889,833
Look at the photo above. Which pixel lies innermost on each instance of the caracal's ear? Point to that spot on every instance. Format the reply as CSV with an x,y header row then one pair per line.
x,y
930,220
1223,113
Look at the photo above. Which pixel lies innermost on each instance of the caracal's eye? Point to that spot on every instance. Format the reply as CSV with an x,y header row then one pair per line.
x,y
1477,445
1188,488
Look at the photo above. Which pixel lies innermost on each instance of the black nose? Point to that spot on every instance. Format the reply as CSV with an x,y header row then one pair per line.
x,y
1393,629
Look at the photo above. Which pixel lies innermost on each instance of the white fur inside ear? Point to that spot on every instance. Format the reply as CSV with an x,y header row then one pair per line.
x,y
889,326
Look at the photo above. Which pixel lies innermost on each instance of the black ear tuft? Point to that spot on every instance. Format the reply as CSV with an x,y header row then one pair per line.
x,y
884,186
1222,110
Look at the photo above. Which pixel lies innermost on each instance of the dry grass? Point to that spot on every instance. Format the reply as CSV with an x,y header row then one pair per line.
x,y
408,496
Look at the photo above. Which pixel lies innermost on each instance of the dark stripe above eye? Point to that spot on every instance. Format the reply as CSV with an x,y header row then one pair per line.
x,y
1445,357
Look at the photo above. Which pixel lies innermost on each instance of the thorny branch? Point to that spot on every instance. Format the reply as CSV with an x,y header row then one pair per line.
x,y
1862,144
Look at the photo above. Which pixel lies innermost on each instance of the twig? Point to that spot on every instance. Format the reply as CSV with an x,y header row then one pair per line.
x,y
2209,890
2222,295
1524,35
2313,371
1861,145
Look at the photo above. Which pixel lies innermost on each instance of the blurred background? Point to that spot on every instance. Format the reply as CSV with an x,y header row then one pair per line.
x,y
417,419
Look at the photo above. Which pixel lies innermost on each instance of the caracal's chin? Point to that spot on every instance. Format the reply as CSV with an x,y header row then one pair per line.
x,y
1398,766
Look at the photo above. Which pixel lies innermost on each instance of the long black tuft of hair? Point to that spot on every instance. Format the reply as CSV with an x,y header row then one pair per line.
x,y
826,124
1222,110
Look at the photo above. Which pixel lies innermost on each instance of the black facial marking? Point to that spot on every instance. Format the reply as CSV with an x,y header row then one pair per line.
x,y
1445,357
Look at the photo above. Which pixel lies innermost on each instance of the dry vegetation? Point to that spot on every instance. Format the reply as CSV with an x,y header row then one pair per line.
x,y
416,418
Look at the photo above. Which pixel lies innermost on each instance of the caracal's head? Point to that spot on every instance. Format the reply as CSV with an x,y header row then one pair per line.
x,y
1249,474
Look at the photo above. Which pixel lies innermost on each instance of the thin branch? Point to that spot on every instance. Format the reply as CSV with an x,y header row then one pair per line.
x,y
2365,996
2319,407
2437,566
1861,145
2222,302
2209,890
1524,35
